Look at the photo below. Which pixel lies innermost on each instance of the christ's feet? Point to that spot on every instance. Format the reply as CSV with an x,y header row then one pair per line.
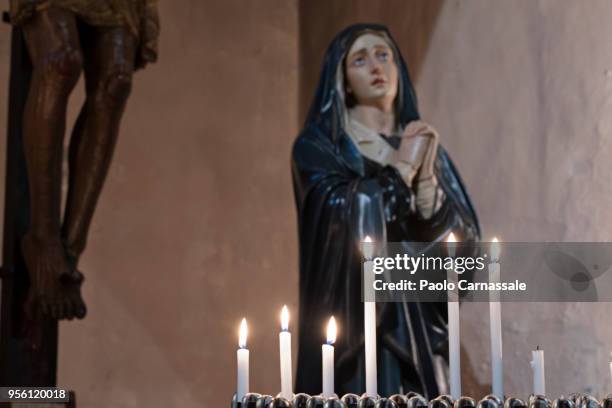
x,y
55,287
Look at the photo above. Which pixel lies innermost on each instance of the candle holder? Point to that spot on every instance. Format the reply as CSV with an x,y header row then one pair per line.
x,y
515,403
234,403
563,403
316,401
440,402
416,400
488,403
366,402
539,401
280,402
400,400
352,400
589,401
448,398
300,400
577,399
386,403
248,401
465,402
498,401
334,402
264,401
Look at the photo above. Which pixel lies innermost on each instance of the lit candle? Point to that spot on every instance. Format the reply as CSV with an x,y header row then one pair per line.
x,y
328,359
537,364
369,323
284,338
497,370
453,331
242,355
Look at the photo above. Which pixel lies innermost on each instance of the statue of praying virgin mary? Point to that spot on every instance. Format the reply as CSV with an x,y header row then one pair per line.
x,y
365,161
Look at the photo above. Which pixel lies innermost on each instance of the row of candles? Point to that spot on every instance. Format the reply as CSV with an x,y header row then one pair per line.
x,y
284,337
327,350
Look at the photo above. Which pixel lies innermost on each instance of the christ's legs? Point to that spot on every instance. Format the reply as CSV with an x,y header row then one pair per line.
x,y
109,64
53,44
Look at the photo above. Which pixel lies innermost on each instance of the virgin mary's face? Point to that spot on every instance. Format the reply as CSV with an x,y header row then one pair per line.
x,y
371,71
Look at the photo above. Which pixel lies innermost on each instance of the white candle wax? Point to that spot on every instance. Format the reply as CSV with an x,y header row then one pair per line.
x,y
454,336
284,338
327,352
328,370
242,357
454,349
242,384
369,321
537,364
497,370
370,348
369,327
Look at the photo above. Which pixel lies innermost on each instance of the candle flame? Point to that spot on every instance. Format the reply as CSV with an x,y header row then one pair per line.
x,y
242,337
285,318
331,331
451,238
367,239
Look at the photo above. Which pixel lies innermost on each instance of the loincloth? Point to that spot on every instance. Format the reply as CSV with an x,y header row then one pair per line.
x,y
139,16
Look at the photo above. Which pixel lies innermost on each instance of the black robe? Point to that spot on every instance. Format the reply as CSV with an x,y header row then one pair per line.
x,y
341,196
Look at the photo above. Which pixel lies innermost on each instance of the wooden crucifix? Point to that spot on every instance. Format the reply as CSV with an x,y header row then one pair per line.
x,y
51,46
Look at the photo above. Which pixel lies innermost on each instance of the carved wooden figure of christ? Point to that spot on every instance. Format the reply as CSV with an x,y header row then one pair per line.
x,y
62,42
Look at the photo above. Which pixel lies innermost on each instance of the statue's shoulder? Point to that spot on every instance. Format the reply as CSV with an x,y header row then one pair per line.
x,y
312,137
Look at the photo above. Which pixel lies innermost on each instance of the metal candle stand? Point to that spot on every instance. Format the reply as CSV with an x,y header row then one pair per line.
x,y
414,400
